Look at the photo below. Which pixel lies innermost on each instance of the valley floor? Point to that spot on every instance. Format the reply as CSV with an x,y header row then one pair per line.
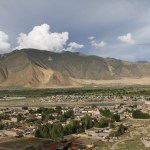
x,y
123,82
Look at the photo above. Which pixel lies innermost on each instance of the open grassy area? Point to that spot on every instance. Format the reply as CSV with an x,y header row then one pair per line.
x,y
22,143
103,145
134,144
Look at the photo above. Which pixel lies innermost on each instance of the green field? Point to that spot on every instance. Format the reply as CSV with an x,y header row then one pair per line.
x,y
130,91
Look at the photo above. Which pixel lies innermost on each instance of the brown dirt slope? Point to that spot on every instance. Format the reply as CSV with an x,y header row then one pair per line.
x,y
18,70
35,68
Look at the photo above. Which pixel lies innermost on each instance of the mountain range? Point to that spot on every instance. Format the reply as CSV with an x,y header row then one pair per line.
x,y
38,68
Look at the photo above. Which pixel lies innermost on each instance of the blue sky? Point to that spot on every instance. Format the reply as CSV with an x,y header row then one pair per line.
x,y
107,28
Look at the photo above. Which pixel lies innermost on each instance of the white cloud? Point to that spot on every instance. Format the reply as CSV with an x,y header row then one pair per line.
x,y
4,42
73,46
41,38
91,38
97,45
127,38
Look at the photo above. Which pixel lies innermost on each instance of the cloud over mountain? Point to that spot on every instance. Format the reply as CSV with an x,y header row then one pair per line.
x,y
4,42
73,46
127,38
97,45
42,38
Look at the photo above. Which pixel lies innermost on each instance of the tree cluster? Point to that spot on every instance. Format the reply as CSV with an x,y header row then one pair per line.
x,y
120,130
137,114
56,130
106,113
2,126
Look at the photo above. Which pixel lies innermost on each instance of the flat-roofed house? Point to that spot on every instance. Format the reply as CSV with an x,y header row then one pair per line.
x,y
146,107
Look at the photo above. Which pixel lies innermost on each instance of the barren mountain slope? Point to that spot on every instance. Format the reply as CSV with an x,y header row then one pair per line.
x,y
18,69
35,68
88,67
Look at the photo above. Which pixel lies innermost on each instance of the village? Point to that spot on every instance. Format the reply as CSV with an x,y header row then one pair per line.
x,y
73,123
91,98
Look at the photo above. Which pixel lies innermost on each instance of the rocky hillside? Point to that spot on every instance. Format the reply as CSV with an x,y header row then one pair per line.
x,y
35,68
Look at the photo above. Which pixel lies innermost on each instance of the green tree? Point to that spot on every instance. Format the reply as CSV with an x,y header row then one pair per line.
x,y
2,126
25,108
58,109
19,117
115,117
37,133
140,115
68,129
104,122
105,112
45,131
112,126
87,122
120,130
57,131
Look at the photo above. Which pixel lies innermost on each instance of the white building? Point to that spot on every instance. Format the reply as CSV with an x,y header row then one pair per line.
x,y
7,133
98,132
146,107
146,141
